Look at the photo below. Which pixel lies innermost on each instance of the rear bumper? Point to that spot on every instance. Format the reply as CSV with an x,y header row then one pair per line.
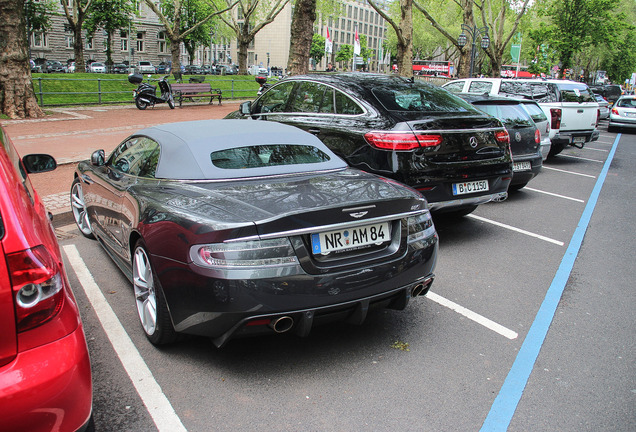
x,y
564,138
48,387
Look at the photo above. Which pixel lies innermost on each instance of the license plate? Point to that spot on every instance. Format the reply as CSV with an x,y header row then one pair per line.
x,y
630,114
350,238
578,139
470,187
521,166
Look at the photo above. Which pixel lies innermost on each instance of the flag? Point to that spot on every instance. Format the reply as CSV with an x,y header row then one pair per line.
x,y
328,43
356,43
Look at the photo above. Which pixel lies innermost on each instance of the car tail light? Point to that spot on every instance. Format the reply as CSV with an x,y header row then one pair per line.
x,y
598,116
254,254
555,118
37,286
402,140
614,111
537,136
420,228
502,136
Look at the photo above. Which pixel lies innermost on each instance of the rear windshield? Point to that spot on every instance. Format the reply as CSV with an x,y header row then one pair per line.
x,y
510,115
267,155
536,112
573,92
415,97
626,103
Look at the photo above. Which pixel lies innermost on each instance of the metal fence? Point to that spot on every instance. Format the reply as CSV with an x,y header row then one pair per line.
x,y
56,91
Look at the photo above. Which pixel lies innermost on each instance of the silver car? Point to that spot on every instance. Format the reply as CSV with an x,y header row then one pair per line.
x,y
623,113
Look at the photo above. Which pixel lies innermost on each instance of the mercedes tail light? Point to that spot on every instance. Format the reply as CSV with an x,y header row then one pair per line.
x,y
502,136
555,118
37,286
403,141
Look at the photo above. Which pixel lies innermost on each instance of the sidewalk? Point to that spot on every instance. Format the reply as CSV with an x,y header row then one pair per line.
x,y
73,134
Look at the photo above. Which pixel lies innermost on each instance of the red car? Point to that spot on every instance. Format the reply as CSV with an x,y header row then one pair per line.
x,y
45,373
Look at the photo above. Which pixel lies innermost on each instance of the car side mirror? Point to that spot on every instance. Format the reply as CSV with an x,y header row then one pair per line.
x,y
246,108
98,158
38,163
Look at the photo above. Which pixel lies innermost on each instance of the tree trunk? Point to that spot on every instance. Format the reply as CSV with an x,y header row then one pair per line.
x,y
302,29
466,52
17,99
78,47
109,51
405,41
176,61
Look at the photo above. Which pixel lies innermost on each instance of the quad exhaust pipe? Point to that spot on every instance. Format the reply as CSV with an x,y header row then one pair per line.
x,y
282,324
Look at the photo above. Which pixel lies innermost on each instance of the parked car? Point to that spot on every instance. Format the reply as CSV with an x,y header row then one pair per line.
x,y
54,66
146,67
193,70
229,228
569,104
525,137
623,113
603,106
163,68
413,132
543,124
207,70
97,67
45,373
222,69
34,67
611,92
120,68
70,67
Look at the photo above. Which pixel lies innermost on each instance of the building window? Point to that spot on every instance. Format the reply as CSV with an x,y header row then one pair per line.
x,y
366,15
365,29
349,12
40,40
355,13
89,43
348,25
68,37
163,45
123,37
140,41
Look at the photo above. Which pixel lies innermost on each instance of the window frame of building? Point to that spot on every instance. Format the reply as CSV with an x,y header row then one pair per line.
x,y
139,42
163,44
39,39
69,37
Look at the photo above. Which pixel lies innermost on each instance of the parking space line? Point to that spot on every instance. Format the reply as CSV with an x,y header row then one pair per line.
x,y
149,391
569,172
506,402
479,319
519,230
595,149
554,194
582,158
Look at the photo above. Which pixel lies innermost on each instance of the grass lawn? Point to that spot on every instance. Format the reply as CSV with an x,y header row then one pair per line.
x,y
90,88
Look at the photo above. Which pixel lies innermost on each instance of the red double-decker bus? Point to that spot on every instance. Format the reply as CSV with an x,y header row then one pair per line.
x,y
432,67
510,71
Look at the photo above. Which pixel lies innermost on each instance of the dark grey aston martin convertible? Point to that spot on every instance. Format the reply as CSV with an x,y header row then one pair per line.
x,y
231,227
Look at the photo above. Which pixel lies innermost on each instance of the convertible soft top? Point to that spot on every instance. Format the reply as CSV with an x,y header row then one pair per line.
x,y
186,148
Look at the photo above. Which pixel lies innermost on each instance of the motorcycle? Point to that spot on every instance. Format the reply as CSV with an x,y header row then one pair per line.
x,y
262,80
146,94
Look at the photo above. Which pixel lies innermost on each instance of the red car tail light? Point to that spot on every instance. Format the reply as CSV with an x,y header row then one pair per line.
x,y
614,111
37,286
598,116
401,140
537,136
555,118
502,136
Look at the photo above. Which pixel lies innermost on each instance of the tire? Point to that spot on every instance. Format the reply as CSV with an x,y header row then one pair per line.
x,y
141,104
78,207
171,102
152,309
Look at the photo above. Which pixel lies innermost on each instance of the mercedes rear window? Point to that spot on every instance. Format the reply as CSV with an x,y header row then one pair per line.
x,y
414,97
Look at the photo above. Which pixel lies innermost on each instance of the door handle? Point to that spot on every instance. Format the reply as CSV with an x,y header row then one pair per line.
x,y
313,131
86,179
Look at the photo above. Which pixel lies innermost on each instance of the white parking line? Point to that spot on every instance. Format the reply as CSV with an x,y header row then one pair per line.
x,y
582,158
489,324
595,149
519,230
150,392
568,172
554,194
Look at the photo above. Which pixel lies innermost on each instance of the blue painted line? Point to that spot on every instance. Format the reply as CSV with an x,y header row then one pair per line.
x,y
505,404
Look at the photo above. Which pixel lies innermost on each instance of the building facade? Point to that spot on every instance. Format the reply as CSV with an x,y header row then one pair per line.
x,y
145,40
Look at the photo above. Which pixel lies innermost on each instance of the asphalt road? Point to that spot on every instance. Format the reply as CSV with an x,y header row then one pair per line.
x,y
460,359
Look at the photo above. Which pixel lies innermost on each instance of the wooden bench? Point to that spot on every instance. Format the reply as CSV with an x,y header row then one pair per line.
x,y
195,90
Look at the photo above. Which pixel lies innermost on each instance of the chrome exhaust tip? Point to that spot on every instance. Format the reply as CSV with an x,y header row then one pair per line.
x,y
422,288
417,290
282,324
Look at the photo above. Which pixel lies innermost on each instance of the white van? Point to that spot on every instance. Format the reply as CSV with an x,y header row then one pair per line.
x,y
570,105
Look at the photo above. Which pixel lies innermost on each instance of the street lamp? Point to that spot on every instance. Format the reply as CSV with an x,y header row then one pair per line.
x,y
473,32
